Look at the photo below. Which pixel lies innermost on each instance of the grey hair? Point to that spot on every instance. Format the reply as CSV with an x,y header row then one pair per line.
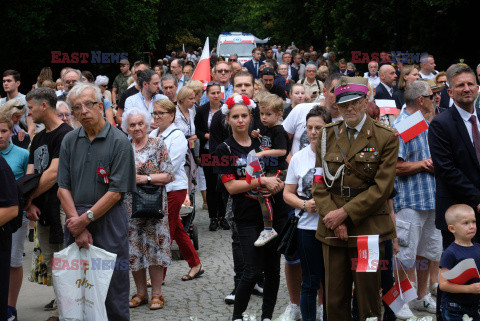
x,y
79,73
80,87
284,64
351,64
309,66
169,77
458,69
236,56
60,103
43,94
133,112
415,90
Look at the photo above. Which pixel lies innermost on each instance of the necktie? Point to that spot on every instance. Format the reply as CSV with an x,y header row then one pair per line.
x,y
351,132
391,91
256,68
476,136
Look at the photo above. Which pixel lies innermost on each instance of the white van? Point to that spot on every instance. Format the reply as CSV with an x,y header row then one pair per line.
x,y
236,42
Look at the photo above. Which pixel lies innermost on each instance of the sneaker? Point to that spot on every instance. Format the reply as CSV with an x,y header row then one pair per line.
x,y
292,311
405,313
433,289
319,313
50,306
224,224
265,237
427,303
11,314
213,225
257,290
230,299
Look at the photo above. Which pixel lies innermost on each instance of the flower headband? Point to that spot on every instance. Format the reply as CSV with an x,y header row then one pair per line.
x,y
235,100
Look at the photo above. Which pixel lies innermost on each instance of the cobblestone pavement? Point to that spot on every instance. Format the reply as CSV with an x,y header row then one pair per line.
x,y
201,298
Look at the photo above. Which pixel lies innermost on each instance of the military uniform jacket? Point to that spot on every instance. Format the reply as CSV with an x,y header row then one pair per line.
x,y
374,155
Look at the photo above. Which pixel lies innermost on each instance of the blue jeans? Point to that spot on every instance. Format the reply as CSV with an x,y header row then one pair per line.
x,y
313,272
454,312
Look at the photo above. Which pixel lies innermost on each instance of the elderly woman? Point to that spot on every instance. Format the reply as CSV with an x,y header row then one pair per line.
x,y
65,114
149,238
14,109
246,208
102,82
298,193
164,117
409,74
313,86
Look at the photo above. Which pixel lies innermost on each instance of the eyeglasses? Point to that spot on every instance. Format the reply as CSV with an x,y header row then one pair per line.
x,y
88,105
66,115
157,114
223,71
232,60
104,86
70,82
429,96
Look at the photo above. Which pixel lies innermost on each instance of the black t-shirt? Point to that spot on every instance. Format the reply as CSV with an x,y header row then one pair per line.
x,y
127,93
233,163
279,91
275,138
287,108
8,191
46,146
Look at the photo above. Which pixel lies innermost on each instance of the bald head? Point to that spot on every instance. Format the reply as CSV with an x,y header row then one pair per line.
x,y
388,75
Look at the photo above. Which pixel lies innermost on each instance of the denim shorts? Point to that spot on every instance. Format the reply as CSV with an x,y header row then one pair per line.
x,y
454,312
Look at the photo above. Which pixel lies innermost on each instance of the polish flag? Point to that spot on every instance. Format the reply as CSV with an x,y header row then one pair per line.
x,y
463,272
387,106
253,170
399,295
412,126
202,72
318,175
222,90
368,253
183,47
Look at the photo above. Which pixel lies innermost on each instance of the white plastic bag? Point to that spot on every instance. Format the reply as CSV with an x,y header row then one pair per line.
x,y
81,279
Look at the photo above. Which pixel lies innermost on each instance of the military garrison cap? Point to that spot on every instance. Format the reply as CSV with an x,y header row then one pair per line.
x,y
350,88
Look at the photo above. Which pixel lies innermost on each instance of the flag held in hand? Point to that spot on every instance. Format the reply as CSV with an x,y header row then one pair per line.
x,y
368,253
463,272
412,126
399,295
254,169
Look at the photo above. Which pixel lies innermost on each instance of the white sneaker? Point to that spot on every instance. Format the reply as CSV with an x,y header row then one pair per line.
x,y
433,289
405,313
319,313
258,289
427,303
293,311
265,237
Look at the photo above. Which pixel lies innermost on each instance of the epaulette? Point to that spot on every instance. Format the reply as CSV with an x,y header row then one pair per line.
x,y
385,126
333,123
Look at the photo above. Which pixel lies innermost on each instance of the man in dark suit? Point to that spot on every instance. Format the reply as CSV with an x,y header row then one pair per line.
x,y
253,66
292,71
454,142
176,67
388,78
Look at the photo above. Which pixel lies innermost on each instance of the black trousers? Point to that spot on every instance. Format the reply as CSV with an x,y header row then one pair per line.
x,y
214,196
5,253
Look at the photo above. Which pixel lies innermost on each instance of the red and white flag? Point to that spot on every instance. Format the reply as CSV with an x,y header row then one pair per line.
x,y
222,90
202,72
412,126
368,253
399,295
387,106
318,175
463,272
254,169
183,47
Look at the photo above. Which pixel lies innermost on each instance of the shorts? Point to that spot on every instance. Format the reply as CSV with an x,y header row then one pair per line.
x,y
295,259
417,236
18,244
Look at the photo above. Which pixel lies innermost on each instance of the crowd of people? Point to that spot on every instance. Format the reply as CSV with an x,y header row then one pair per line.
x,y
74,155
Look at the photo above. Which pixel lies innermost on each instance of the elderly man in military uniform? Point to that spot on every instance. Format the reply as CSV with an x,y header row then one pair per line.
x,y
358,156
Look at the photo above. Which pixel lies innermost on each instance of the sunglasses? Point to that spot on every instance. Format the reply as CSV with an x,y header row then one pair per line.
x,y
223,71
233,60
429,96
213,83
19,107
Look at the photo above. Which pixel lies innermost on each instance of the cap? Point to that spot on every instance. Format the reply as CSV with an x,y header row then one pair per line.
x,y
268,72
433,86
124,62
350,88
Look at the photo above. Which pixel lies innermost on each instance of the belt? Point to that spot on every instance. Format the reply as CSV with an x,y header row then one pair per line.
x,y
346,192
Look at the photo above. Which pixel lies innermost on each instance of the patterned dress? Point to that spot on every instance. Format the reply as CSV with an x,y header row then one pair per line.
x,y
150,238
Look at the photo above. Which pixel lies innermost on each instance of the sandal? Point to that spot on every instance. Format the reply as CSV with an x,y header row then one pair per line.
x,y
137,300
157,300
188,277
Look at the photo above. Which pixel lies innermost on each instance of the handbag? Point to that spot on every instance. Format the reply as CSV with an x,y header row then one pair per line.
x,y
287,244
147,202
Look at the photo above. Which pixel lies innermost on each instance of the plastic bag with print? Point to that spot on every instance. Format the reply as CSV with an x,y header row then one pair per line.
x,y
81,279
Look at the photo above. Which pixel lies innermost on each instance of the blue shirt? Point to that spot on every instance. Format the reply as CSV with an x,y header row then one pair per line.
x,y
414,191
451,257
138,101
228,93
17,159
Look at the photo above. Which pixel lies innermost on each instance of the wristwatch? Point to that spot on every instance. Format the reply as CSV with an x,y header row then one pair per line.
x,y
90,215
149,179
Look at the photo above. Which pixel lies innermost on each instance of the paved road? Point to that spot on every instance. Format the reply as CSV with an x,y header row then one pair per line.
x,y
201,298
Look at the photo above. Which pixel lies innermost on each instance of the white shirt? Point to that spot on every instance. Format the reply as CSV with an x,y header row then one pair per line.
x,y
181,83
374,80
358,127
466,119
300,172
187,127
429,76
177,147
295,124
138,101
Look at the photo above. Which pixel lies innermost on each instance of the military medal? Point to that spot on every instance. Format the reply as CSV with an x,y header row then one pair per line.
x,y
369,149
102,172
